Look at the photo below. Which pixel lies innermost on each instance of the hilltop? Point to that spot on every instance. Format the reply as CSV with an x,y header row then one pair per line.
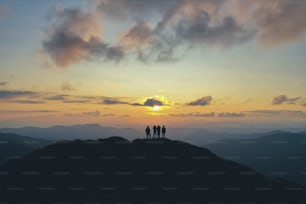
x,y
156,171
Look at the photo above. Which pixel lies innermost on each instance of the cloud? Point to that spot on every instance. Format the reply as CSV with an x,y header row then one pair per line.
x,y
68,87
294,113
57,97
113,101
280,21
138,36
212,114
28,102
281,99
168,29
77,101
9,94
153,102
3,83
204,101
95,113
247,101
231,115
29,111
90,114
75,35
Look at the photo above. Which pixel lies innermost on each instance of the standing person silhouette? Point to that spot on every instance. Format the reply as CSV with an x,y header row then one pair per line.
x,y
164,131
148,132
154,131
158,131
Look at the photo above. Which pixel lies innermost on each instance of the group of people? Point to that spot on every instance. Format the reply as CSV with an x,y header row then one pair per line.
x,y
156,131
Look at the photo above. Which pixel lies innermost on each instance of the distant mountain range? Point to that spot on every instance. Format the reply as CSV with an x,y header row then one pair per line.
x,y
279,154
15,146
197,136
114,170
87,131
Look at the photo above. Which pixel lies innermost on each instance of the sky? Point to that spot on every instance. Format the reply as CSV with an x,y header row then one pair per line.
x,y
131,63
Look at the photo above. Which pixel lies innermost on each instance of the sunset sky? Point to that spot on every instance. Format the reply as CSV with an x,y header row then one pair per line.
x,y
129,63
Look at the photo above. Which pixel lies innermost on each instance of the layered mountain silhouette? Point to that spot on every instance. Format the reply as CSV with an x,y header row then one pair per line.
x,y
60,132
279,154
114,170
16,146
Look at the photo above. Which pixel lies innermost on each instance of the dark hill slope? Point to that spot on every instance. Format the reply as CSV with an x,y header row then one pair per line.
x,y
114,170
14,146
280,154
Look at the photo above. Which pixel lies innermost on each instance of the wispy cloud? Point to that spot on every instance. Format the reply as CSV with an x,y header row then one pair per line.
x,y
29,111
9,94
204,101
231,115
68,87
294,113
281,99
204,115
77,101
57,97
28,102
113,101
3,83
94,113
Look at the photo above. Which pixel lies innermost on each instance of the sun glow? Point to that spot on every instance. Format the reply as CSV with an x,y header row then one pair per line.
x,y
156,108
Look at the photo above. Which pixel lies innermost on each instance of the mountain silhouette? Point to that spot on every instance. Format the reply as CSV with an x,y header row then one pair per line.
x,y
60,132
114,170
15,146
278,154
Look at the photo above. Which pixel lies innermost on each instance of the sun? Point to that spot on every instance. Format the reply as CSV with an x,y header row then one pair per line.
x,y
156,108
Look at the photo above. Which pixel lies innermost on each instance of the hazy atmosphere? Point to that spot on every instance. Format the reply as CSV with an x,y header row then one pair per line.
x,y
183,63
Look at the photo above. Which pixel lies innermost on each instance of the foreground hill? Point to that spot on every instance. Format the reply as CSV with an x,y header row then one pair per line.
x,y
279,154
15,146
114,170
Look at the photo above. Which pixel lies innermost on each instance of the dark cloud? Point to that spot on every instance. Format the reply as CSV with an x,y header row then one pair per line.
x,y
204,101
136,104
199,29
278,112
6,94
57,97
77,101
281,99
231,115
75,35
95,113
28,102
153,102
3,83
29,111
212,114
137,9
113,101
